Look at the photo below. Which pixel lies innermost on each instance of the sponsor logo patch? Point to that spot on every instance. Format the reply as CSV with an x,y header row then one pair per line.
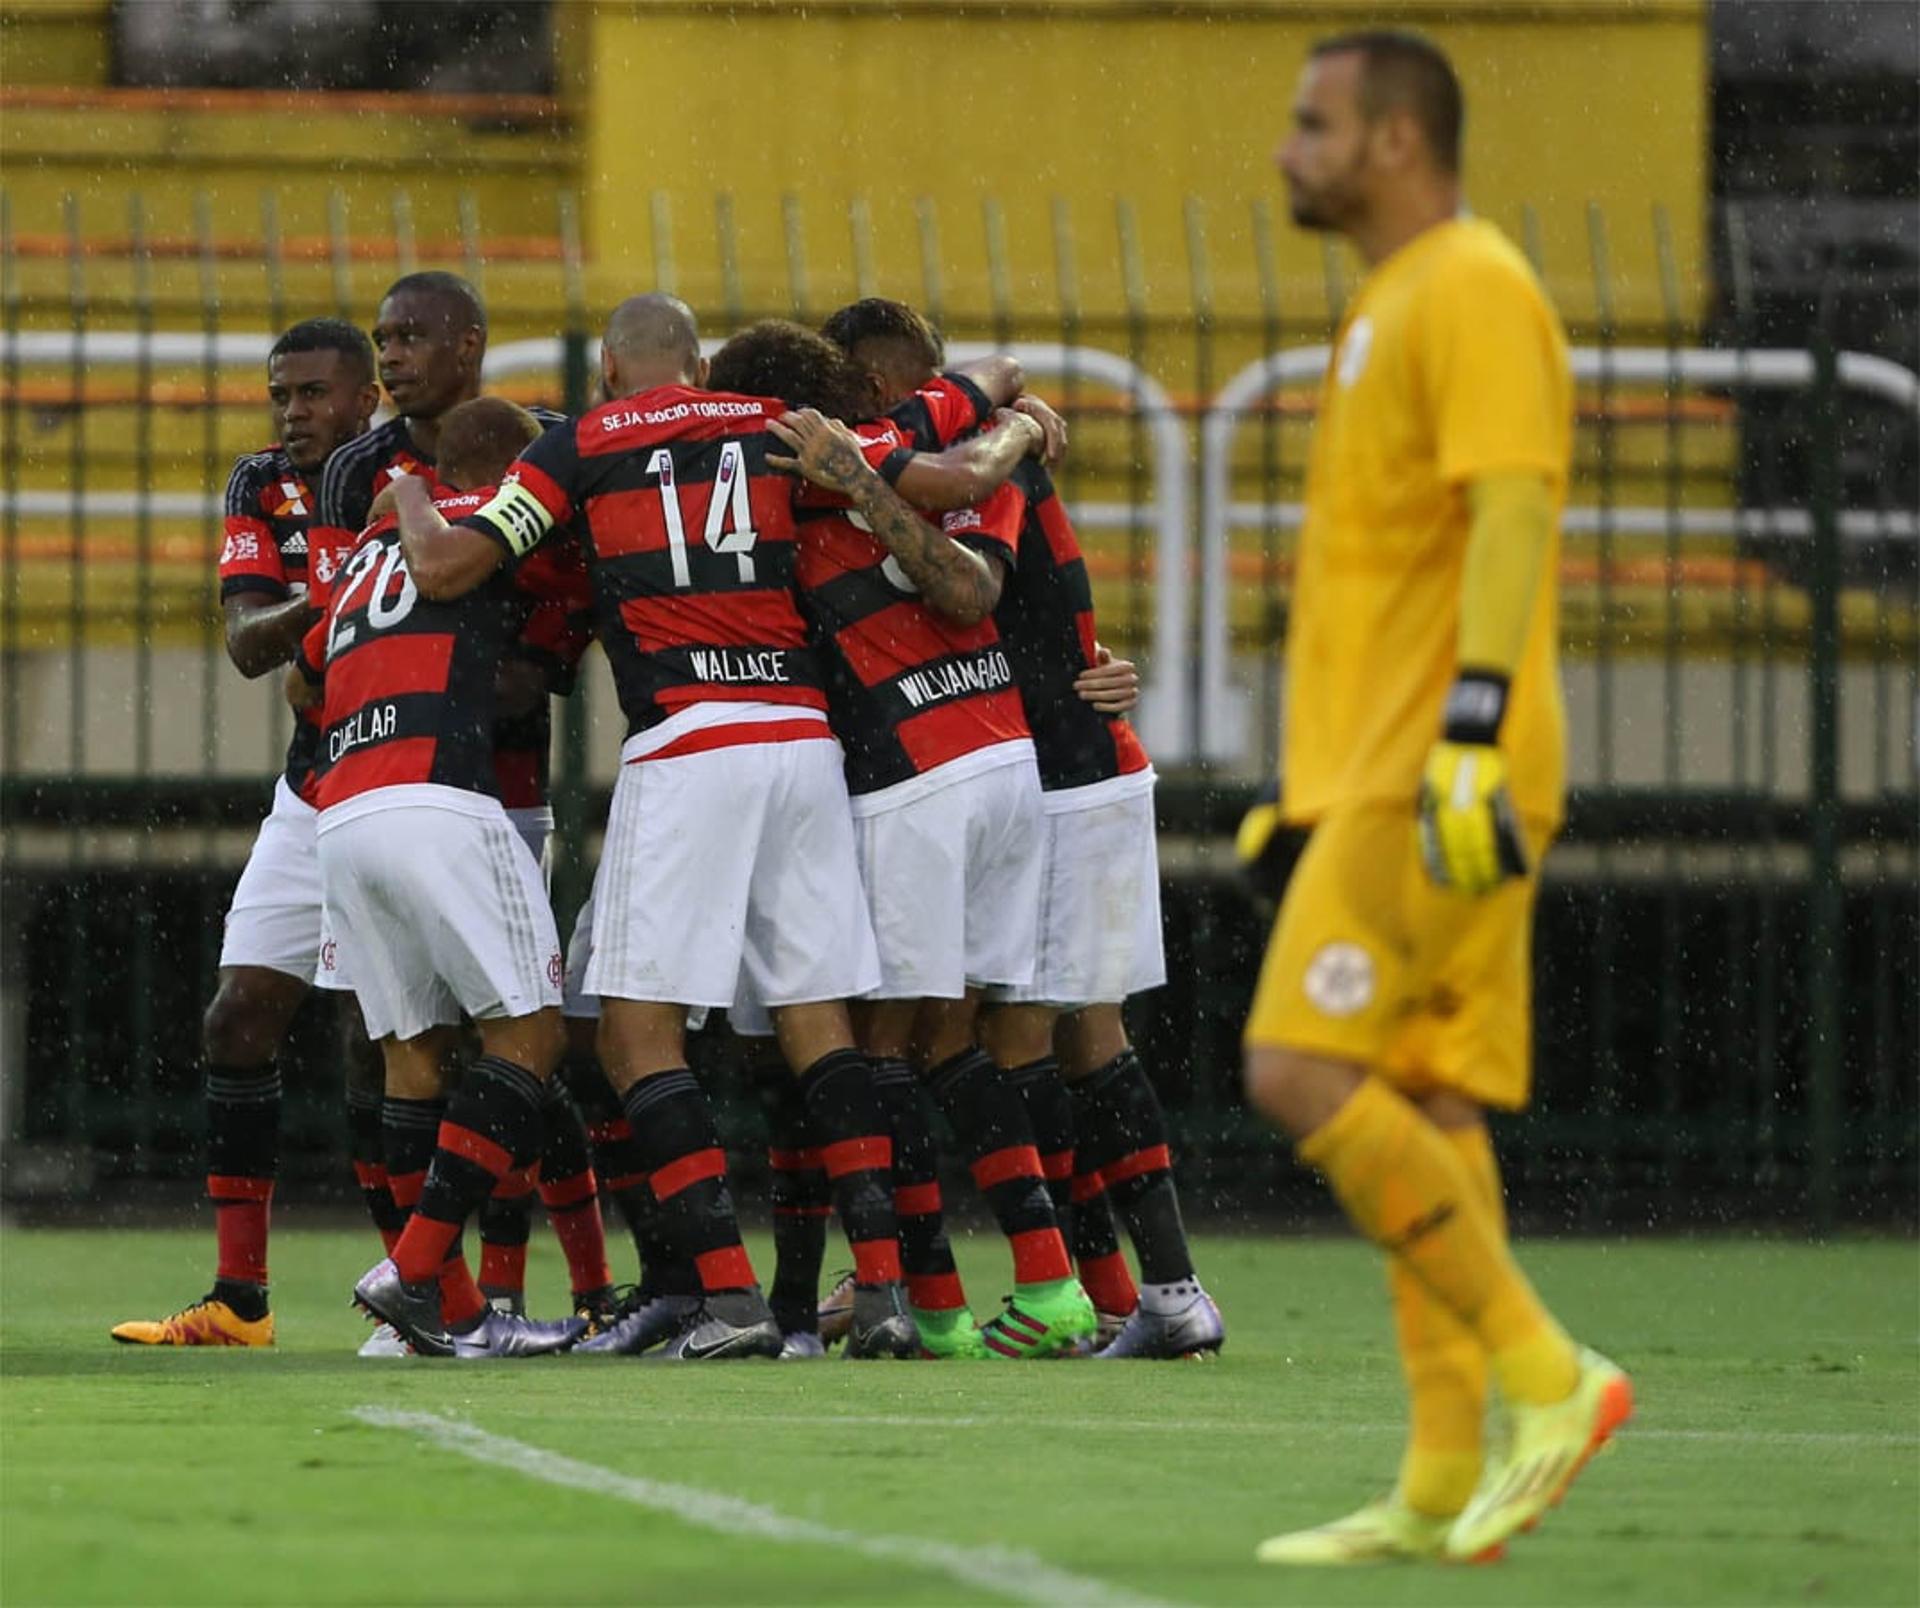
x,y
1340,980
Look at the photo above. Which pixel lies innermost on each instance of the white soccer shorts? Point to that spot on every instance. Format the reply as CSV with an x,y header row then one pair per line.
x,y
731,869
274,920
953,884
435,896
1100,936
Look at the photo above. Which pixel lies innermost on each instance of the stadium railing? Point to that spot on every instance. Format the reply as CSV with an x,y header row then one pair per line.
x,y
1728,935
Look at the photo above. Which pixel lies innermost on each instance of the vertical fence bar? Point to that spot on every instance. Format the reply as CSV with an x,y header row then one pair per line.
x,y
1672,1051
12,650
993,223
1272,422
570,880
141,972
472,243
860,228
932,287
793,230
1133,287
211,478
661,208
1216,678
728,242
1532,241
1605,1011
1066,278
1826,931
273,261
79,1037
406,254
339,253
1334,280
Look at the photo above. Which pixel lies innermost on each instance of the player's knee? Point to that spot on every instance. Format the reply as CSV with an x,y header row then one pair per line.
x,y
244,1024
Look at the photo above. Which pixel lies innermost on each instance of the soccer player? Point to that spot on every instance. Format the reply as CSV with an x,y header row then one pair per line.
x,y
321,393
946,801
1424,744
1099,859
430,334
434,895
729,858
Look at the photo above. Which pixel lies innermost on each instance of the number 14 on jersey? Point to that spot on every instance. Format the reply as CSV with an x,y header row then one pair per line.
x,y
729,526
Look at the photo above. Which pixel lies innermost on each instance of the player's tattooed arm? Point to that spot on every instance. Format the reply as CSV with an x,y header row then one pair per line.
x,y
445,561
263,631
955,581
971,471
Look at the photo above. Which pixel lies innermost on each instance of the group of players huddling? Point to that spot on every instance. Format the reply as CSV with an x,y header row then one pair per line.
x,y
876,801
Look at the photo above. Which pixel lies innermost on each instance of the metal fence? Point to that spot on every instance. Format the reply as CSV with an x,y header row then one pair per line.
x,y
1730,937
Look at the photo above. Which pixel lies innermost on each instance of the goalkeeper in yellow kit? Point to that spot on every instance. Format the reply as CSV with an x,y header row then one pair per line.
x,y
1425,747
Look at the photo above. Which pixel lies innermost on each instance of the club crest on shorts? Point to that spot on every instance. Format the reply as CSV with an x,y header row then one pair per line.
x,y
1339,979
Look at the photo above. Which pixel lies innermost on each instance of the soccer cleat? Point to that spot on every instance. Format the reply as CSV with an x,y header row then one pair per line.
x,y
642,1322
598,1310
1107,1327
801,1345
1040,1320
509,1303
836,1311
1547,1448
949,1335
1196,1330
206,1323
413,1309
512,1334
1381,1532
882,1326
726,1325
385,1341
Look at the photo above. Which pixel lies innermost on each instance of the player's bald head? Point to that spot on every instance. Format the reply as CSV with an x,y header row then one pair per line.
x,y
651,340
479,439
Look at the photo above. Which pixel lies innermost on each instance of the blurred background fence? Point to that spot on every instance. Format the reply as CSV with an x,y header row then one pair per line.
x,y
1729,941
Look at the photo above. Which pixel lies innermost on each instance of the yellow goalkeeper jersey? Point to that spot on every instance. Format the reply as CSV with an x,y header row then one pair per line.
x,y
1450,364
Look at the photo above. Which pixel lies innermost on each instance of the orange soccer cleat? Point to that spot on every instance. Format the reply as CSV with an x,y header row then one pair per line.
x,y
206,1323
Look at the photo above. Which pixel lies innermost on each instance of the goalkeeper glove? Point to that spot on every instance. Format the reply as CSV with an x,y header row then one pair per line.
x,y
1469,836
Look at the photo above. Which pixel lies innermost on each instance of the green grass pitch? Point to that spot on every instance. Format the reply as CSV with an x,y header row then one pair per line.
x,y
1774,1457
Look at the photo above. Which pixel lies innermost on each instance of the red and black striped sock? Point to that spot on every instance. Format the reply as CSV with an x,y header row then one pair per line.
x,y
1096,1248
461,1300
802,1203
845,1116
674,1126
492,1126
1124,1135
409,1130
926,1256
990,1121
367,1147
571,1194
243,1159
1050,1110
506,1224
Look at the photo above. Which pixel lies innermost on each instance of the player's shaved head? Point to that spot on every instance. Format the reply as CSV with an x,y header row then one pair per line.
x,y
782,359
457,302
650,340
1406,72
894,340
479,439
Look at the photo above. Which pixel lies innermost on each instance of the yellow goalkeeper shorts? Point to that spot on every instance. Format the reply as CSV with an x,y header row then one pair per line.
x,y
1370,962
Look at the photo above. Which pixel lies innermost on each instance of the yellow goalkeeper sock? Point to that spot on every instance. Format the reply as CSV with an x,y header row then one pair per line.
x,y
1444,1363
1406,1189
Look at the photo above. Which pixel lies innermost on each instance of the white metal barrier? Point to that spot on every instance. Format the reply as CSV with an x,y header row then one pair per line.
x,y
1225,707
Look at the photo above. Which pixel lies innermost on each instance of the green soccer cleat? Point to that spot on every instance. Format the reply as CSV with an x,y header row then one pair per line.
x,y
950,1335
1041,1320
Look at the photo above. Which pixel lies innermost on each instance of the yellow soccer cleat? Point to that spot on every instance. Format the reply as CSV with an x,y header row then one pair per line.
x,y
206,1323
1387,1531
1549,1447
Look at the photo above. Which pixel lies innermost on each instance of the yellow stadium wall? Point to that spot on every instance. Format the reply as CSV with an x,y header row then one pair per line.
x,y
1175,107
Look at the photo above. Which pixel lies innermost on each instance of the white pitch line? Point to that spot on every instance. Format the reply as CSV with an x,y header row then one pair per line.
x,y
999,1570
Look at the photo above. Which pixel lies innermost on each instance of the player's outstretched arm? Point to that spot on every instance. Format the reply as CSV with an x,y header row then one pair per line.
x,y
445,561
953,580
971,471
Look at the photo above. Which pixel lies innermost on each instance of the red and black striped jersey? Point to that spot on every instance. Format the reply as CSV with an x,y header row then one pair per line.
x,y
1046,623
689,539
273,547
944,409
410,691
